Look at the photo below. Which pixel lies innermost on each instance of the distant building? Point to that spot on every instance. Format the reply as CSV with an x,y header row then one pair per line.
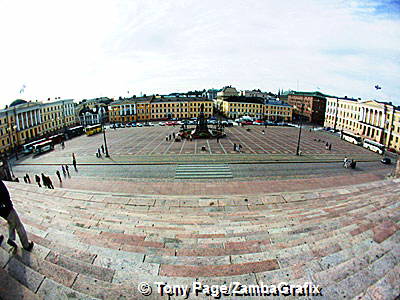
x,y
310,106
92,116
158,108
369,119
24,121
211,94
256,107
258,93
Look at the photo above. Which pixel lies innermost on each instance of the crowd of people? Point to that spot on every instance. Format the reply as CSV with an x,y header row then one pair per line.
x,y
43,180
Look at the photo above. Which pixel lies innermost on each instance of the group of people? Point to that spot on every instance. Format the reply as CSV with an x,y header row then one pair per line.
x,y
328,146
100,151
349,163
170,137
237,148
45,181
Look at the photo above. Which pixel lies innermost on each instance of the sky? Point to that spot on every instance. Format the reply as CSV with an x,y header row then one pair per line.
x,y
88,49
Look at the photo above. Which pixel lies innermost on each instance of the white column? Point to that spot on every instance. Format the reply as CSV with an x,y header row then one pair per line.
x,y
31,117
16,117
36,119
22,121
26,120
130,108
40,116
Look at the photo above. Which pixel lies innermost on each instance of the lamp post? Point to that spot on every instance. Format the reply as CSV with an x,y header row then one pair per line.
x,y
298,141
105,141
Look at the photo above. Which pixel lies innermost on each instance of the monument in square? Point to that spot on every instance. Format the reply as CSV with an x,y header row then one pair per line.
x,y
202,131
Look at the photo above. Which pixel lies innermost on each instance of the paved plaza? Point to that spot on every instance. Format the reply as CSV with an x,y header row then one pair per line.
x,y
148,144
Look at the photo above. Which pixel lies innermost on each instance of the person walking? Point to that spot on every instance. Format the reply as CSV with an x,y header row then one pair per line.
x,y
330,147
98,153
37,179
62,145
58,175
8,213
234,147
28,179
102,149
74,161
49,183
44,180
63,170
25,180
67,169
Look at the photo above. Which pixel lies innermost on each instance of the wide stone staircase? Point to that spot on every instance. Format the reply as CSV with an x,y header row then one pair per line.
x,y
92,245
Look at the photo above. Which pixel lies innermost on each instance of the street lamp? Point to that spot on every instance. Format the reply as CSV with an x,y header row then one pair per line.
x,y
298,141
105,140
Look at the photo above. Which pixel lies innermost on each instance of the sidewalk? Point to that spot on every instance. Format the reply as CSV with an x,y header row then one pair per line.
x,y
198,158
249,187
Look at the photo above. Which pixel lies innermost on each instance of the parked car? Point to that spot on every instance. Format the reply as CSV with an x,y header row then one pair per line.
x,y
386,161
258,122
139,125
247,123
161,123
128,125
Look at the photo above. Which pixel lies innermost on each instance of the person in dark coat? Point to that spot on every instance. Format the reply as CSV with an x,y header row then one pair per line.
x,y
8,213
63,170
44,180
67,169
49,183
37,179
28,178
58,175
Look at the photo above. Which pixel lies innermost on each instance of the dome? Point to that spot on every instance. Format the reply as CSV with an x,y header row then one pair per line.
x,y
17,102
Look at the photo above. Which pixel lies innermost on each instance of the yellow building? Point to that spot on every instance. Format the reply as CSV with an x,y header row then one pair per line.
x,y
368,119
24,121
273,110
158,108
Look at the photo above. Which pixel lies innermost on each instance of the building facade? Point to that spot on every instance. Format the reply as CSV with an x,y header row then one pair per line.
x,y
158,108
310,106
259,108
24,121
258,93
369,119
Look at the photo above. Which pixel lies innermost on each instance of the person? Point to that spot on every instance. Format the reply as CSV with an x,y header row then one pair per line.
x,y
173,135
67,169
58,175
345,160
102,149
234,147
63,170
330,147
28,178
166,138
217,139
44,180
74,161
98,152
263,131
62,145
240,148
8,213
25,180
49,183
37,178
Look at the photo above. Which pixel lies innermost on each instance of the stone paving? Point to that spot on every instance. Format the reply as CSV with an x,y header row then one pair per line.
x,y
101,245
148,145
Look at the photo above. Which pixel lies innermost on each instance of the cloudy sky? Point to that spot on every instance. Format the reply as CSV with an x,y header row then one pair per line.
x,y
84,49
